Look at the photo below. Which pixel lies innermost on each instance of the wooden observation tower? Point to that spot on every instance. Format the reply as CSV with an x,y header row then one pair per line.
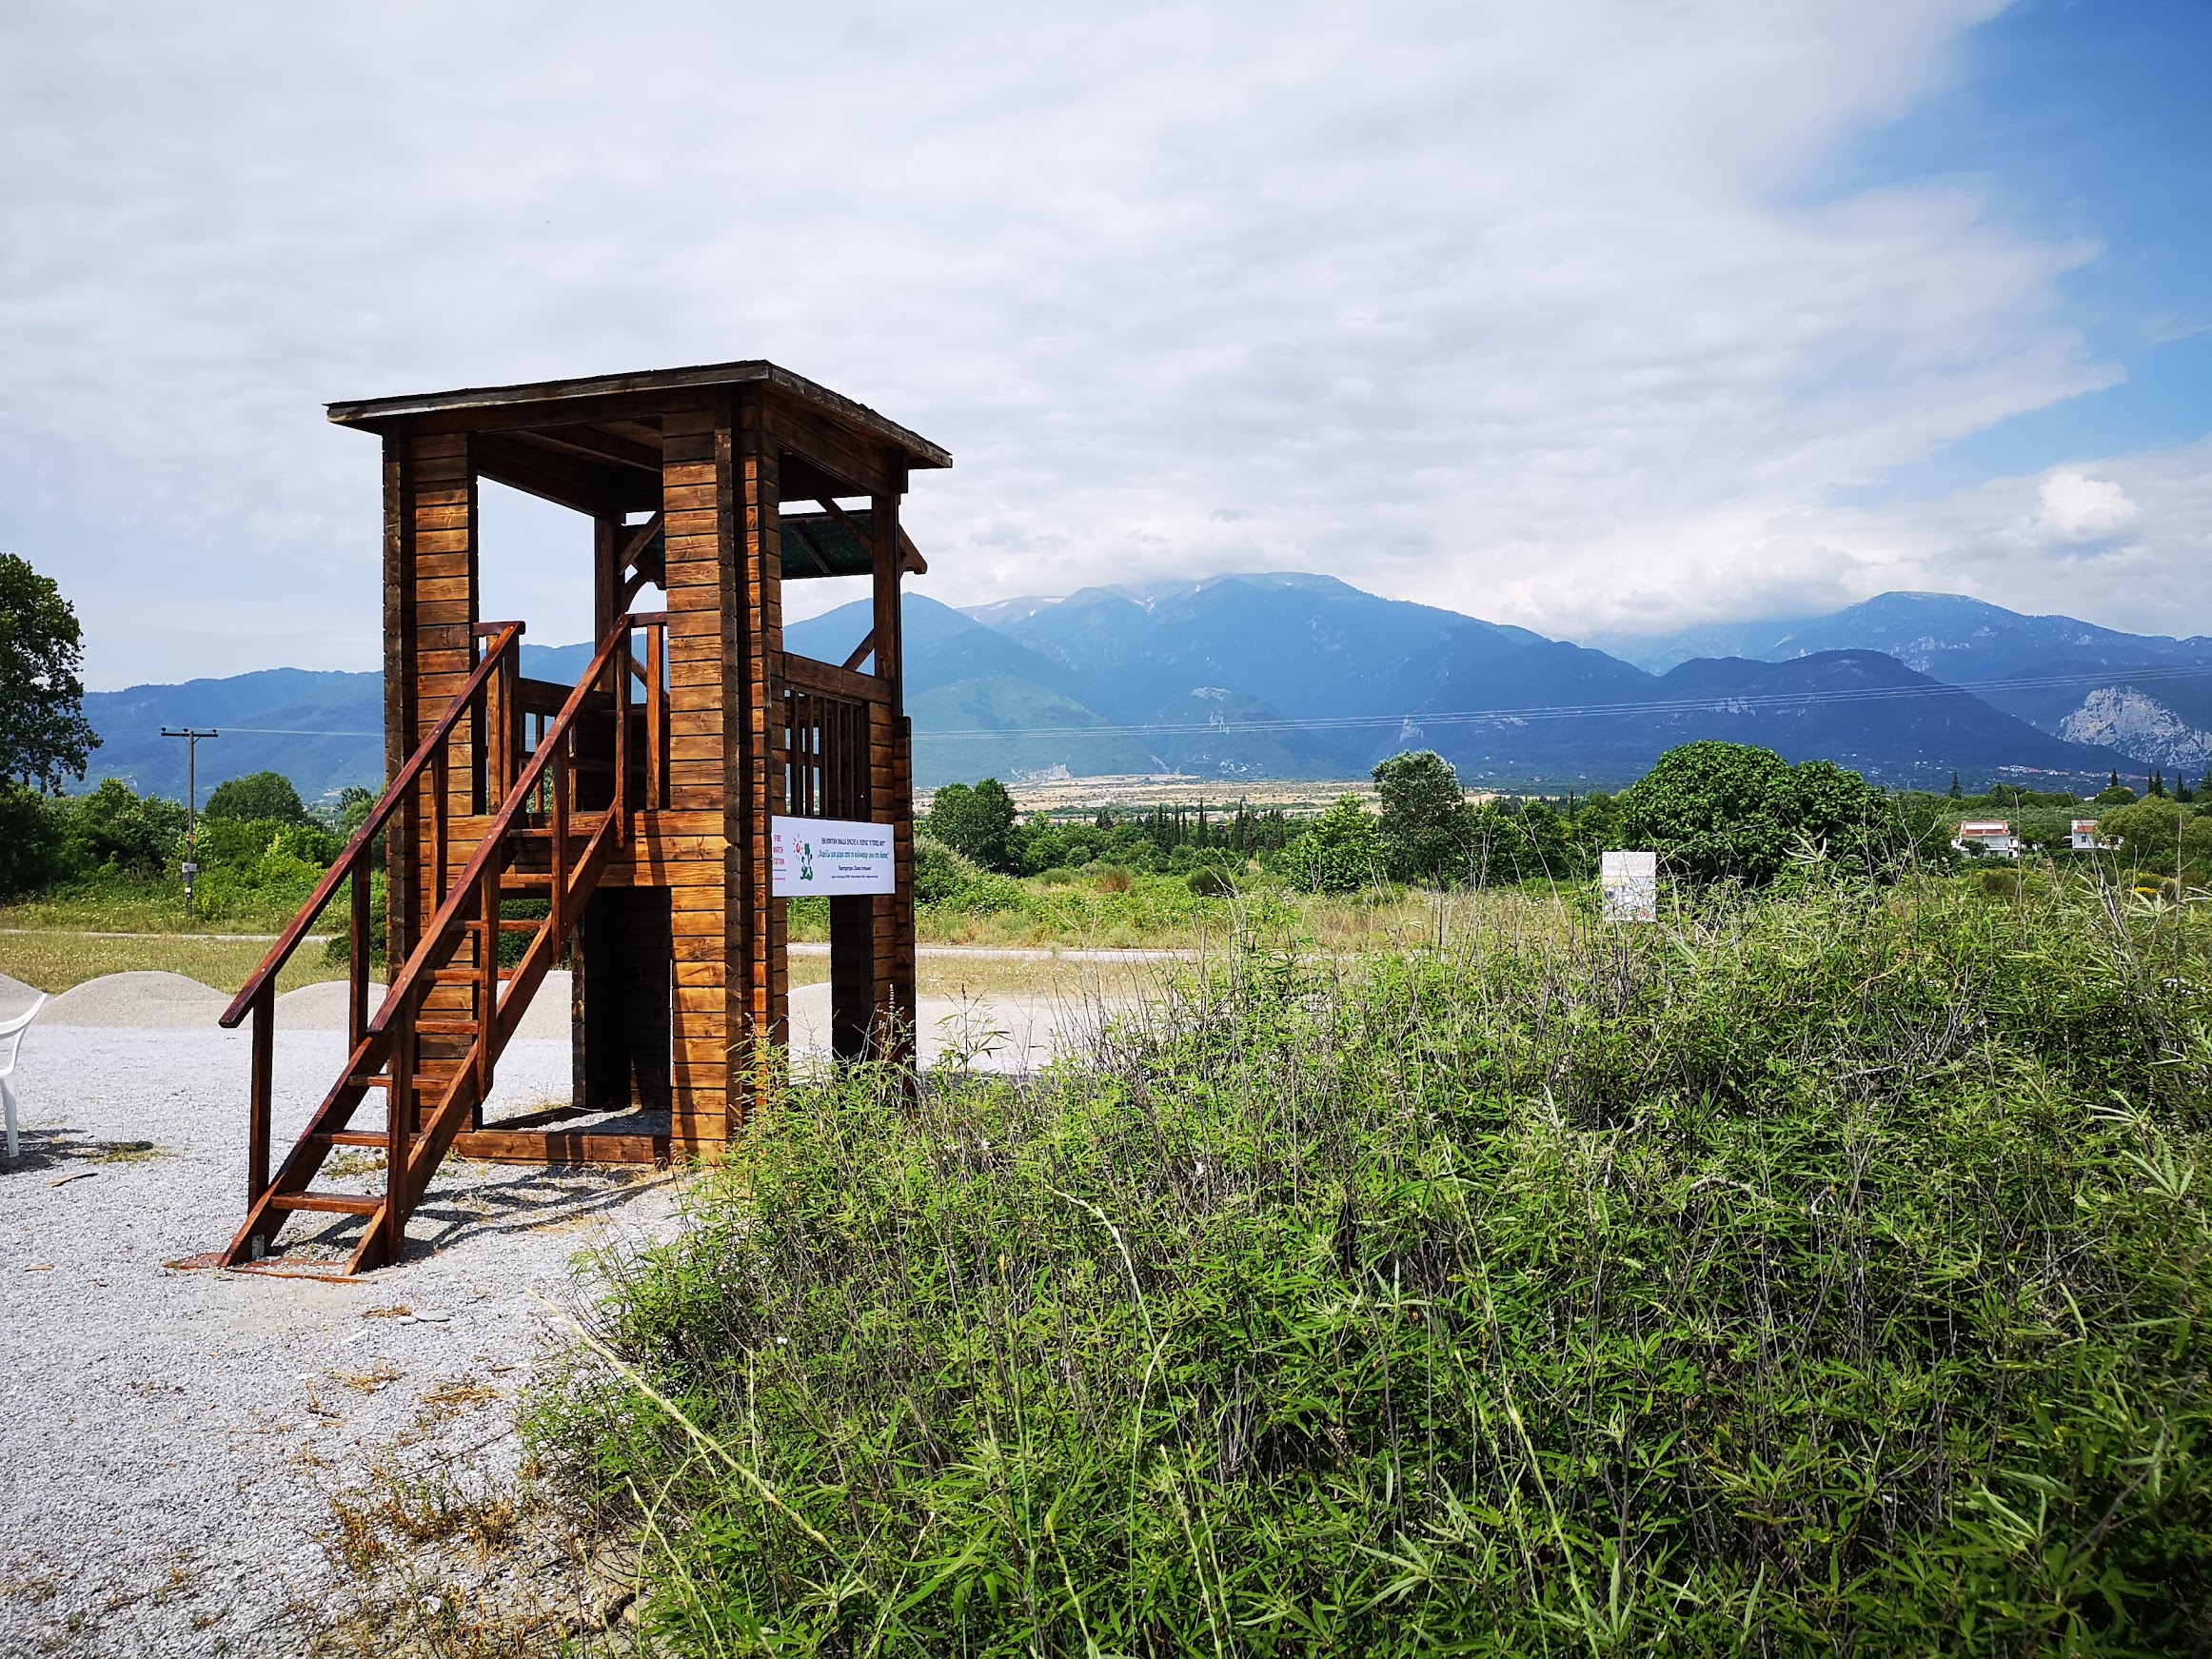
x,y
633,820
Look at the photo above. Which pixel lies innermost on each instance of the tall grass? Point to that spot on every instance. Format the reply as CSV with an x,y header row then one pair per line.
x,y
1827,1275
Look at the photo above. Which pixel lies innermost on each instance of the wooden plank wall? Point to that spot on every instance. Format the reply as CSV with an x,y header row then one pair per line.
x,y
439,592
703,654
759,1010
890,791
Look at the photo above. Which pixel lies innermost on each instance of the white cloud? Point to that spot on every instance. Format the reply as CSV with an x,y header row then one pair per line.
x,y
1539,312
2075,507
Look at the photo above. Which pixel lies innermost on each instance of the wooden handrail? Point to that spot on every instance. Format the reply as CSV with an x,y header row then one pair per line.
x,y
828,680
357,849
493,844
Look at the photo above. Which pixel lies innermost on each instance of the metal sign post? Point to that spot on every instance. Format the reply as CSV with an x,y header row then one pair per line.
x,y
192,864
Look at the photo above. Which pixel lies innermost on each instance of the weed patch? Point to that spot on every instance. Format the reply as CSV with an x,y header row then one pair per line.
x,y
1817,1276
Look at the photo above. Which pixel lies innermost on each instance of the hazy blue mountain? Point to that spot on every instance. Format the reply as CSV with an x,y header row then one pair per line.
x,y
1290,676
1310,645
322,730
1858,708
1955,639
2148,696
943,647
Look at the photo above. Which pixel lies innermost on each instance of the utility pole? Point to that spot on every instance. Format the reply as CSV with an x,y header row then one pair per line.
x,y
192,865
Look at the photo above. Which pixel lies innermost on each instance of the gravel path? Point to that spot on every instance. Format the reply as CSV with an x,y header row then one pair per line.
x,y
172,1437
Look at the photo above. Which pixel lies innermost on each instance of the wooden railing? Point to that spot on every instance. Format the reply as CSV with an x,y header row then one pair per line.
x,y
535,798
826,755
500,662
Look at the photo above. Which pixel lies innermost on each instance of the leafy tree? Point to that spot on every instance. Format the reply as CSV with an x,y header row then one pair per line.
x,y
2115,793
1423,831
32,832
1955,791
114,827
1596,828
258,794
977,824
1340,852
2156,832
1719,811
354,806
44,737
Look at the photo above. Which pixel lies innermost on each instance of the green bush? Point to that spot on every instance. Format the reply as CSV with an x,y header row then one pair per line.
x,y
979,823
1831,1277
113,827
1340,852
1731,812
33,840
257,794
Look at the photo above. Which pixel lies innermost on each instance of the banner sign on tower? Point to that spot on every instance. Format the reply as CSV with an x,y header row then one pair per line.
x,y
832,855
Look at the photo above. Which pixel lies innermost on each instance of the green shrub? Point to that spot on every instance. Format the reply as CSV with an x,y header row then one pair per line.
x,y
33,840
1731,812
257,794
1341,851
114,827
1825,1277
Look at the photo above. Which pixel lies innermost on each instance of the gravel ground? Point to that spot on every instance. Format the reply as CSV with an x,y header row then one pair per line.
x,y
172,1437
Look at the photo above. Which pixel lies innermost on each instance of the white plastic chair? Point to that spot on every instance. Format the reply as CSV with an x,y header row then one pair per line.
x,y
12,1032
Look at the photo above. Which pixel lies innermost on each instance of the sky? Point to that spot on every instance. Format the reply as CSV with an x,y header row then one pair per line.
x,y
1592,317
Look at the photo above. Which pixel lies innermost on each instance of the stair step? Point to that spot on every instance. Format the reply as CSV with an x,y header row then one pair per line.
x,y
367,1137
510,924
425,1078
446,1028
464,977
335,1203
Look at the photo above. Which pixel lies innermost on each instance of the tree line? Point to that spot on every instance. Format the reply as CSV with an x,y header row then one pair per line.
x,y
1715,810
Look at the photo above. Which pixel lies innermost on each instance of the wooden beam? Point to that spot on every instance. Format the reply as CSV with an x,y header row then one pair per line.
x,y
583,486
555,1146
595,444
808,674
862,651
639,542
909,555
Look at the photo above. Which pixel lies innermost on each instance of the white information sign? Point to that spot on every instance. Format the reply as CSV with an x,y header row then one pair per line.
x,y
1630,885
832,855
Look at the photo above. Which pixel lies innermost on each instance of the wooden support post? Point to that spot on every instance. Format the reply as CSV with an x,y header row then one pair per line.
x,y
656,718
399,1129
440,808
889,798
487,986
357,963
557,780
259,1111
618,803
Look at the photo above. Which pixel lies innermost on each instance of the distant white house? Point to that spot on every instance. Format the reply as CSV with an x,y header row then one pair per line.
x,y
2086,837
1988,835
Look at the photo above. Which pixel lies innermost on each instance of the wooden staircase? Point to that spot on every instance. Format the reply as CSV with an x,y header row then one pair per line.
x,y
428,1052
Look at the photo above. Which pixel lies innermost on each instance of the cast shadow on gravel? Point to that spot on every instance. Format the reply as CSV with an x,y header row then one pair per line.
x,y
52,1151
530,1200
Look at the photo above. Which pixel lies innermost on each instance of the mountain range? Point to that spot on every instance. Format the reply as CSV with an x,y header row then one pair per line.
x,y
1289,676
